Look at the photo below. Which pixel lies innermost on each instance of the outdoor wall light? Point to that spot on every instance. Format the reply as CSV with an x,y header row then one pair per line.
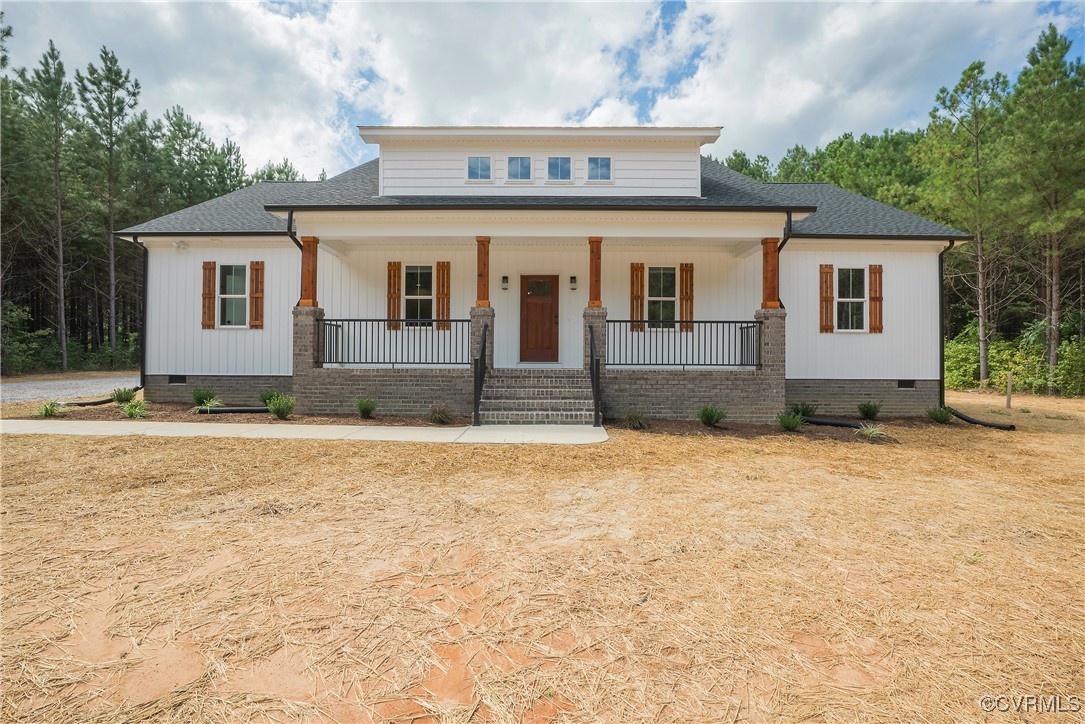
x,y
504,284
572,283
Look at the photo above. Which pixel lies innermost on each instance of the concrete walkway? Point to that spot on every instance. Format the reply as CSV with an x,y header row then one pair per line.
x,y
485,434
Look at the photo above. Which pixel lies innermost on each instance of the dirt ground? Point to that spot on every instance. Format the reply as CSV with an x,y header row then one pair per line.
x,y
677,577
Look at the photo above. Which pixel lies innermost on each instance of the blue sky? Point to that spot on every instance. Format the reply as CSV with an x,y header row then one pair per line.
x,y
294,78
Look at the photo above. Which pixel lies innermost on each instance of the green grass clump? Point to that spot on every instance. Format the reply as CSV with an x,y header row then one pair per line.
x,y
941,415
711,416
440,414
634,420
202,395
789,421
365,407
281,405
135,408
803,409
871,432
122,395
50,409
869,410
266,395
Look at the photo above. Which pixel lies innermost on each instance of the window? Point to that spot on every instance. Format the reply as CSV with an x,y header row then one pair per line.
x,y
851,300
599,168
559,168
478,168
519,168
233,301
661,297
418,295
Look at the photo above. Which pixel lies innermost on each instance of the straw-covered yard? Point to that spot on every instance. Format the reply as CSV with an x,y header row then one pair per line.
x,y
656,576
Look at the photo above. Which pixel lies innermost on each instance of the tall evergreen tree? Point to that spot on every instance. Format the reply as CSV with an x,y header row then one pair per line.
x,y
108,94
282,171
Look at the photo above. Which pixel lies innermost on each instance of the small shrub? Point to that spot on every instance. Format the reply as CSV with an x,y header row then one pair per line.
x,y
940,415
50,409
869,410
211,402
1024,410
365,407
440,414
789,421
712,416
122,395
135,408
281,405
634,420
803,409
266,395
201,395
871,432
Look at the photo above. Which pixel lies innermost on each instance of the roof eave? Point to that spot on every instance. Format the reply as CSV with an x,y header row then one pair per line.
x,y
272,208
916,237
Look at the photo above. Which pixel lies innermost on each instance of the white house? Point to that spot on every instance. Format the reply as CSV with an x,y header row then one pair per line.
x,y
607,269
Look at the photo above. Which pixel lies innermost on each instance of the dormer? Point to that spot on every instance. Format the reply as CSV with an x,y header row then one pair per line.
x,y
539,161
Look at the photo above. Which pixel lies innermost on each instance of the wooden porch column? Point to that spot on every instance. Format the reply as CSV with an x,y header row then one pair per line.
x,y
482,266
308,271
595,272
770,274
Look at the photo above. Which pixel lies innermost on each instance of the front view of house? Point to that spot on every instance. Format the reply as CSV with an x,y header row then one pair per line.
x,y
540,274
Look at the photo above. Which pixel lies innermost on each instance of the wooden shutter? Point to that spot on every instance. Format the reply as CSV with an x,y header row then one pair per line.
x,y
256,295
875,326
395,282
209,295
636,297
685,297
443,294
827,298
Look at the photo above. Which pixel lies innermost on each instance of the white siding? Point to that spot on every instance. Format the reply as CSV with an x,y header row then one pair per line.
x,y
658,169
908,347
176,343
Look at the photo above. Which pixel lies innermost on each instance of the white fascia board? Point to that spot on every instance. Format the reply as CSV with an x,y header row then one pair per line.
x,y
644,134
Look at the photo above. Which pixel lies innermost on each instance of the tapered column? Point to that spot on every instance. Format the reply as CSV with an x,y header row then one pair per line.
x,y
483,268
308,271
595,272
770,274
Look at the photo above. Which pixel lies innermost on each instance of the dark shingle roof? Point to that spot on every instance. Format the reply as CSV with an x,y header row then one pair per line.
x,y
838,213
842,213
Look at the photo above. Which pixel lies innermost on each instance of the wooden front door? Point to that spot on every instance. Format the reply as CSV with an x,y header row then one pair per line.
x,y
539,319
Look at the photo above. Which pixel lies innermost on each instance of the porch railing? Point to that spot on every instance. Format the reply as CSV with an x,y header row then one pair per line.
x,y
683,344
397,342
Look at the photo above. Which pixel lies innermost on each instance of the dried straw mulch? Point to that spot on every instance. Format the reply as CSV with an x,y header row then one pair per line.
x,y
679,578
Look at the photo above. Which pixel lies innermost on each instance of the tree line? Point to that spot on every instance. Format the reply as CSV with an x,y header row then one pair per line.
x,y
1004,162
81,159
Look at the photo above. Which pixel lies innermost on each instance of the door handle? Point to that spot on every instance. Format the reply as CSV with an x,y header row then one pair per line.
x,y
556,320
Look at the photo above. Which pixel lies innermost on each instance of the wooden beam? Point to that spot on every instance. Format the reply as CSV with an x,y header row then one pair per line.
x,y
482,267
595,271
308,271
770,274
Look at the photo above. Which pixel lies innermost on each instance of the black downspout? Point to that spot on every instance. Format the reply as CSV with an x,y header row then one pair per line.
x,y
143,330
783,243
290,229
942,324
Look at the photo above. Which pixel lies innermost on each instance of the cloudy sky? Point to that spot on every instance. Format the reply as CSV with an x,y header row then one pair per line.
x,y
293,79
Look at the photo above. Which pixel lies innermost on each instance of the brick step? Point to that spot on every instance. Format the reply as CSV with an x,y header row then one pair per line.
x,y
535,417
536,374
551,404
535,393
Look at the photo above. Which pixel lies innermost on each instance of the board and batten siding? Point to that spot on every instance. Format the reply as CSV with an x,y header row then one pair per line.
x,y
907,349
662,169
176,342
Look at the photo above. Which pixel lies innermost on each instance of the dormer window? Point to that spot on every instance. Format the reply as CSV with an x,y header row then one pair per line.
x,y
519,168
559,168
598,168
478,168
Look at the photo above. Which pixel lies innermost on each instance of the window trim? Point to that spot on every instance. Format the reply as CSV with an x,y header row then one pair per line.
x,y
599,181
559,181
219,296
487,180
865,300
660,324
530,170
432,296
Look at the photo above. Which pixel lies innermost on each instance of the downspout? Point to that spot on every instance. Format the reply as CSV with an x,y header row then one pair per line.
x,y
942,324
290,229
143,330
783,243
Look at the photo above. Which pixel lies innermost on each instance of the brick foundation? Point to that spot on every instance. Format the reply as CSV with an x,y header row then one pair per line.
x,y
231,389
842,397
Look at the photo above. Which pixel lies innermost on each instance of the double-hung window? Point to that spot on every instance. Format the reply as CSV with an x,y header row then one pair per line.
x,y
598,168
559,168
519,168
661,297
233,297
418,295
851,300
478,168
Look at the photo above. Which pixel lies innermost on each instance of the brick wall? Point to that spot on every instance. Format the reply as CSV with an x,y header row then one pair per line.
x,y
235,390
842,397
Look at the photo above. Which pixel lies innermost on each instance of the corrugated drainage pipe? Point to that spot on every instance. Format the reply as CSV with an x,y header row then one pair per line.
x,y
93,403
225,410
996,425
832,423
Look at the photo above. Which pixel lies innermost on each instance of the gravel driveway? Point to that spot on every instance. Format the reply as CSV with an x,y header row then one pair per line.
x,y
64,389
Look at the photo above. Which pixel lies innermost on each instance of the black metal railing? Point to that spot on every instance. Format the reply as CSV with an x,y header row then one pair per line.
x,y
480,374
683,344
397,342
596,383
